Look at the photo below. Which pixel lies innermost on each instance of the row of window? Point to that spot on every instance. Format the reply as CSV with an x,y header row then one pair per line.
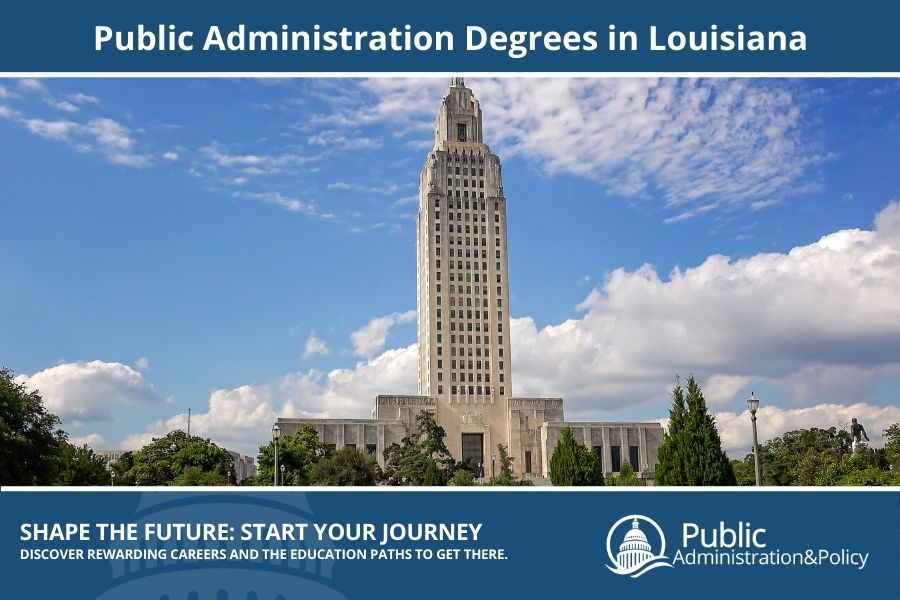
x,y
462,364
468,314
455,155
460,204
456,276
465,218
454,253
472,390
466,340
465,171
469,302
465,182
459,242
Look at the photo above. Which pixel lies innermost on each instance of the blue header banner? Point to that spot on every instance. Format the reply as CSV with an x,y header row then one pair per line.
x,y
264,545
568,36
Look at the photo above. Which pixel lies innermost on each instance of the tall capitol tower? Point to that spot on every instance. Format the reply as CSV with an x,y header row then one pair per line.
x,y
463,316
464,370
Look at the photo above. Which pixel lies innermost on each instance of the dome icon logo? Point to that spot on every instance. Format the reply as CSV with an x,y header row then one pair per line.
x,y
635,556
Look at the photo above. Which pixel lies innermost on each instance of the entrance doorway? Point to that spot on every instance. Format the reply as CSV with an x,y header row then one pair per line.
x,y
473,451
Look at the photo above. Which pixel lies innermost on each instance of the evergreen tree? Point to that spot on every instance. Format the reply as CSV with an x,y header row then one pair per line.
x,y
421,458
691,452
573,464
347,467
506,476
627,477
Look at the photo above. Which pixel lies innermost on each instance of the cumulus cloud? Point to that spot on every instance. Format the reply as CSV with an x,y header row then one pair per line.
x,y
170,155
241,418
89,391
142,364
314,345
822,320
772,421
370,339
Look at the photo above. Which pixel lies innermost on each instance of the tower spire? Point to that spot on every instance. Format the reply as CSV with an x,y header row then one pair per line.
x,y
457,82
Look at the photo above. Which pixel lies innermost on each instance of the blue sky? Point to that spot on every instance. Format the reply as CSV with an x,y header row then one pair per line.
x,y
246,248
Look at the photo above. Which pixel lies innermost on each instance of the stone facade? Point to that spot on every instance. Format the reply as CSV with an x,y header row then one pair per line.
x,y
464,371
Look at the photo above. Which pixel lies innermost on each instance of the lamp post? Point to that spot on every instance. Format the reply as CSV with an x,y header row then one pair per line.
x,y
753,405
276,433
112,478
282,473
493,457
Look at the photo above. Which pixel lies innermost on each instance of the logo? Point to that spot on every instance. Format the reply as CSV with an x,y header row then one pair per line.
x,y
635,556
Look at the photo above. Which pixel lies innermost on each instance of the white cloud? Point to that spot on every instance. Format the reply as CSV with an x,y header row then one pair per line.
x,y
241,418
142,364
89,391
66,106
5,112
93,440
170,155
772,421
697,142
54,130
314,346
80,98
822,320
370,339
32,85
113,139
723,389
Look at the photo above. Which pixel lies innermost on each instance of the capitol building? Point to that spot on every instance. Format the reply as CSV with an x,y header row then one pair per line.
x,y
465,370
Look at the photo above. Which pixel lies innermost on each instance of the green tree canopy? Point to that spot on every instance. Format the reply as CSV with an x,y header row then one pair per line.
x,y
346,467
78,465
29,440
298,452
573,464
165,459
691,452
627,477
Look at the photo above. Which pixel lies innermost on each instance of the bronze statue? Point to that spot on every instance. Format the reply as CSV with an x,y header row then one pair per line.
x,y
857,433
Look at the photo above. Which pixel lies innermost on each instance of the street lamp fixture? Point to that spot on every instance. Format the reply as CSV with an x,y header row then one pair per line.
x,y
493,457
282,473
276,433
753,405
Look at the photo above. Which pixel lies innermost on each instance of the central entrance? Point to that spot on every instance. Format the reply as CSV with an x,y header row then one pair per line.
x,y
473,451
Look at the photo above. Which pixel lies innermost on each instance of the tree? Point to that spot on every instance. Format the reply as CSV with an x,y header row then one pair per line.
x,y
506,476
346,467
198,477
573,464
421,458
165,460
800,456
892,447
744,474
627,477
29,444
462,477
691,452
298,452
78,465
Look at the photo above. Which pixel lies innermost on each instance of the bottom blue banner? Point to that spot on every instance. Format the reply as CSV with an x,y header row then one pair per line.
x,y
286,545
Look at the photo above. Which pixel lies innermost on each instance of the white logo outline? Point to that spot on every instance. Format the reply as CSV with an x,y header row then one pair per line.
x,y
650,562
